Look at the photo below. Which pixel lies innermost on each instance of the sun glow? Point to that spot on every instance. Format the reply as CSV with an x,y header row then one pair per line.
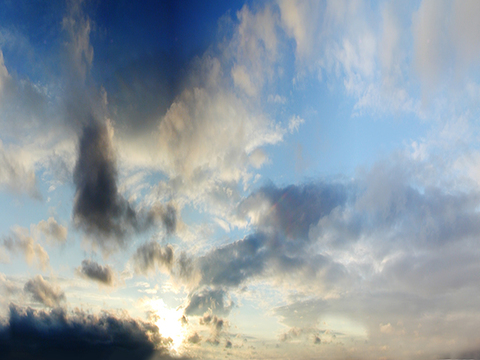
x,y
169,322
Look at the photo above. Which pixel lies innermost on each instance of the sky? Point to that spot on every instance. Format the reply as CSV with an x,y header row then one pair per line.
x,y
279,179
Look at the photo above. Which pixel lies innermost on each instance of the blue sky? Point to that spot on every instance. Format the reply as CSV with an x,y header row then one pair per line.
x,y
229,179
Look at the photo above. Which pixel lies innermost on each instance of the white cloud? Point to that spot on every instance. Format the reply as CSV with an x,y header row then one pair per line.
x,y
21,241
294,123
446,42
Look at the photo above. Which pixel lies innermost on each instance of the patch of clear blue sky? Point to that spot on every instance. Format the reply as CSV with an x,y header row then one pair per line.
x,y
333,140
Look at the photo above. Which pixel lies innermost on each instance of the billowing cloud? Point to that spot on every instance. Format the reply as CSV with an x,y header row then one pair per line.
x,y
96,272
57,334
280,248
151,256
44,292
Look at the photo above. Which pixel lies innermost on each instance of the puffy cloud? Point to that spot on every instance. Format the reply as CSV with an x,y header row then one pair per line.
x,y
53,231
44,292
21,241
96,272
151,256
57,334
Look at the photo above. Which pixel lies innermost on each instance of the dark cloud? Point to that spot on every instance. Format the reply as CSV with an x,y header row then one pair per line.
x,y
212,300
44,292
96,272
56,334
151,256
99,208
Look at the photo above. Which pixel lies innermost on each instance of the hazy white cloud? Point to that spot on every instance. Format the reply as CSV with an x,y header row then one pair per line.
x,y
52,230
17,172
20,240
446,46
294,123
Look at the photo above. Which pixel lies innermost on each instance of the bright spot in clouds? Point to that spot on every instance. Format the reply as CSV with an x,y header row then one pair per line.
x,y
169,322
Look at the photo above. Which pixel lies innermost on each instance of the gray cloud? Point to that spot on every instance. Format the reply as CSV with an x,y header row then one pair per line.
x,y
390,204
151,256
57,334
293,209
44,292
166,214
98,207
209,300
96,272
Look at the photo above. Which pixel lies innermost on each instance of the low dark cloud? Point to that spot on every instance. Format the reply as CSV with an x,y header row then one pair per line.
x,y
56,334
99,208
209,300
45,293
152,256
96,272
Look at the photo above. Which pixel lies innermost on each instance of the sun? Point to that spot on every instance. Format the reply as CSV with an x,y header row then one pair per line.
x,y
169,322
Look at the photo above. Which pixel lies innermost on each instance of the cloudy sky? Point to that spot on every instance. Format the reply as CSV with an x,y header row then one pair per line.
x,y
245,180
